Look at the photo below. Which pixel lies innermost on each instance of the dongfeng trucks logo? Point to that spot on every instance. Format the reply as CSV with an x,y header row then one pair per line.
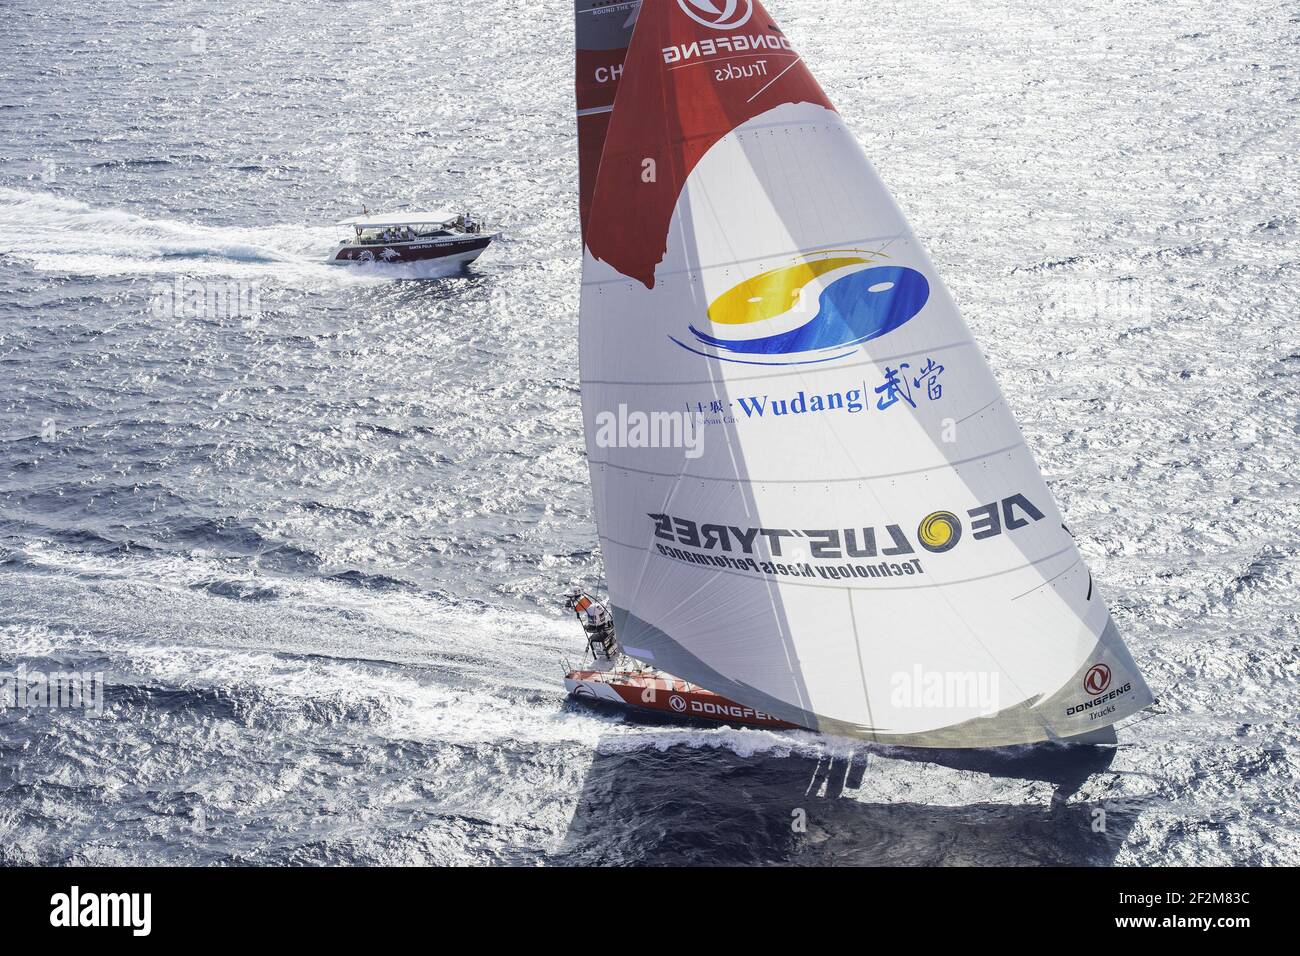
x,y
818,309
1097,679
718,14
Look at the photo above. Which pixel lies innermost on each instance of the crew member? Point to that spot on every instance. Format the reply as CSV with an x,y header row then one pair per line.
x,y
596,621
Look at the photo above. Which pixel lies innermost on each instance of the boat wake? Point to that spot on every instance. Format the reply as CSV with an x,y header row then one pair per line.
x,y
62,236
288,644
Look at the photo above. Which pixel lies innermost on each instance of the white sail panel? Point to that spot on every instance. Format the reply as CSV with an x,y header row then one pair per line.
x,y
861,542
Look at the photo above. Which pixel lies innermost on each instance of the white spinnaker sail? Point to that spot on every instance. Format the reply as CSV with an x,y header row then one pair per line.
x,y
862,542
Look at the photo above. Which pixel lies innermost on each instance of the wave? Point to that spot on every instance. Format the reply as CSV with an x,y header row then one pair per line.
x,y
52,233
148,163
284,649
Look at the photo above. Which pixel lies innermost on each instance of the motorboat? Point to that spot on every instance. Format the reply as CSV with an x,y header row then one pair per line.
x,y
429,236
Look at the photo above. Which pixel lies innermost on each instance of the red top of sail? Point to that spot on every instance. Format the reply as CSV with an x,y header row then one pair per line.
x,y
696,70
602,32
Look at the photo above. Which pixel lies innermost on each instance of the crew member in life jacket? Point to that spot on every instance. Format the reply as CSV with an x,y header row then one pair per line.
x,y
596,621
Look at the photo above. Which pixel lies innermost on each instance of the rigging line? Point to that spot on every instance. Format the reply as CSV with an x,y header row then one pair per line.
x,y
1152,712
862,670
774,79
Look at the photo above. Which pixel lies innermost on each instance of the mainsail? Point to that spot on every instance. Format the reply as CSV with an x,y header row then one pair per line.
x,y
860,542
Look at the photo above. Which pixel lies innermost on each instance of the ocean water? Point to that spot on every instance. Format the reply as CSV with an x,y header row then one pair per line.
x,y
317,551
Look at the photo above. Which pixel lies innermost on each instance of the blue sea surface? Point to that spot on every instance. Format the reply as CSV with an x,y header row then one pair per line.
x,y
312,523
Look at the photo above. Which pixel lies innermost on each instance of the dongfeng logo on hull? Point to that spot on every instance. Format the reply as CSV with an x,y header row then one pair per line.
x,y
718,14
818,309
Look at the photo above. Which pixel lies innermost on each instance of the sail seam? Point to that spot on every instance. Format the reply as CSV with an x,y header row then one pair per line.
x,y
731,56
786,581
1037,587
788,254
737,480
755,378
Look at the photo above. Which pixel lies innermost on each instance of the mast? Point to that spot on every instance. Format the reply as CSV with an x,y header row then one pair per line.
x,y
861,541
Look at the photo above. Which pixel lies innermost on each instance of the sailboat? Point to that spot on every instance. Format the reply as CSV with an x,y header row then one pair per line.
x,y
857,540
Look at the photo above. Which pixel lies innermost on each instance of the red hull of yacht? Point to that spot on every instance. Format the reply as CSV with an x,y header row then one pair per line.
x,y
663,694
